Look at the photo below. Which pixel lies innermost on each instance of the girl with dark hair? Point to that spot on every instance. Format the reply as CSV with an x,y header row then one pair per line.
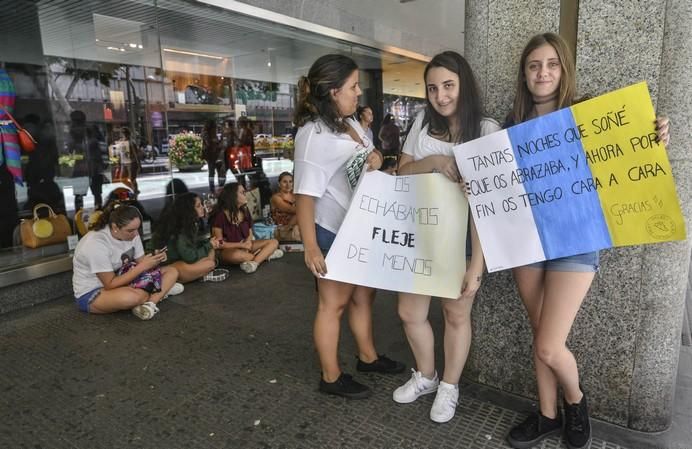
x,y
453,115
283,205
190,252
553,290
330,151
101,253
231,224
365,117
213,153
390,136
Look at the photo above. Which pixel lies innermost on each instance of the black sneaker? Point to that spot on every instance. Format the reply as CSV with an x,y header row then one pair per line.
x,y
383,365
577,424
532,430
346,387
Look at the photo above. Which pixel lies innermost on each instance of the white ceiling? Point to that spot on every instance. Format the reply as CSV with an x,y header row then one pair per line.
x,y
73,29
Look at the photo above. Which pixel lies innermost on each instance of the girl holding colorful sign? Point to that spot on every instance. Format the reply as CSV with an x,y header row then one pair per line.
x,y
453,115
553,290
331,150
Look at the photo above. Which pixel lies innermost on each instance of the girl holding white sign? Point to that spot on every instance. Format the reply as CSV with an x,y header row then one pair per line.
x,y
453,115
553,290
330,151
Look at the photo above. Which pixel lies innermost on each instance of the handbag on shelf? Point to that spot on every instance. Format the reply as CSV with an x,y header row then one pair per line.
x,y
26,140
37,232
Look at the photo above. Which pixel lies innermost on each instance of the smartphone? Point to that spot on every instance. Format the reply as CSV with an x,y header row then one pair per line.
x,y
160,250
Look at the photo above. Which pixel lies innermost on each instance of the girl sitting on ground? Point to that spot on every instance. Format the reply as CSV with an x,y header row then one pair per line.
x,y
232,224
190,251
98,288
283,204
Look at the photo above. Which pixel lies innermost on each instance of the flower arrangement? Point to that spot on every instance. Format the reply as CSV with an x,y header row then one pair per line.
x,y
70,159
185,150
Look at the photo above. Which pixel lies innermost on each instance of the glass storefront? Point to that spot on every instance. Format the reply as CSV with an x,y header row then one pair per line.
x,y
118,95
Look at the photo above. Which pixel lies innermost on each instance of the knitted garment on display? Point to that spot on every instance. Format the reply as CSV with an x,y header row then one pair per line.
x,y
10,152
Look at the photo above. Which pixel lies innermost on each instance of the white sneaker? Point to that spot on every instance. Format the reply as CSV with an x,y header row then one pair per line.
x,y
277,254
417,386
177,289
145,311
249,267
445,404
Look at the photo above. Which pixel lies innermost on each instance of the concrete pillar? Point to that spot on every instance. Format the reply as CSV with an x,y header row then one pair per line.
x,y
627,335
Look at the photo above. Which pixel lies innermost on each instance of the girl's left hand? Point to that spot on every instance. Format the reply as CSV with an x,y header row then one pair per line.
x,y
471,284
374,160
662,127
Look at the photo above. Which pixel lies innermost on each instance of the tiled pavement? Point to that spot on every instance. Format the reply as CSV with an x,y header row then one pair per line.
x,y
231,365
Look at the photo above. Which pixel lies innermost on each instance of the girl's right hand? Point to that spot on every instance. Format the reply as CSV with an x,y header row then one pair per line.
x,y
314,260
149,261
448,167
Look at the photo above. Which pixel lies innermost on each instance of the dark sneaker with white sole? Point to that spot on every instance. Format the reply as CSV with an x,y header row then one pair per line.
x,y
383,365
577,424
345,387
534,429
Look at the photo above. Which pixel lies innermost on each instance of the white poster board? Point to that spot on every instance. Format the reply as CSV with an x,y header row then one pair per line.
x,y
403,233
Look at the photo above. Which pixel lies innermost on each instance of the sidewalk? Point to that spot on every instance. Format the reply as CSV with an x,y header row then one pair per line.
x,y
232,365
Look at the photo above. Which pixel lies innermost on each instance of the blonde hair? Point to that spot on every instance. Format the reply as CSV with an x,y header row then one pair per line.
x,y
523,100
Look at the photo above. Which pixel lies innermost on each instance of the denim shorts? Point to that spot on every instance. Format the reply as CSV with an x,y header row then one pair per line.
x,y
581,263
325,238
86,299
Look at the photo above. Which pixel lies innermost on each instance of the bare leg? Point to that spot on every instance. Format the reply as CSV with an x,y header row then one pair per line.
x,y
563,295
530,284
266,247
168,277
413,311
360,321
121,298
457,337
333,298
188,272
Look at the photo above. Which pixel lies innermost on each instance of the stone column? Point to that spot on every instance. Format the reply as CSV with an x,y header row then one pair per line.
x,y
627,334
664,279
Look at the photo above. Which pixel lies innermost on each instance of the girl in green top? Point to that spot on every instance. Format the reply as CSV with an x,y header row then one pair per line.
x,y
191,252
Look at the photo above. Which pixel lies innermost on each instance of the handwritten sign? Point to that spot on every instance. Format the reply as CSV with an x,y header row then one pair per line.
x,y
580,179
403,233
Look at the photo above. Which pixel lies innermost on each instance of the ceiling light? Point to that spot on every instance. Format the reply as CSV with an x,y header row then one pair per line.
x,y
269,63
191,53
132,45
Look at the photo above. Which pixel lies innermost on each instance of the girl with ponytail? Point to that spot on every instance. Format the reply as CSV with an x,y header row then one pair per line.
x,y
101,282
331,147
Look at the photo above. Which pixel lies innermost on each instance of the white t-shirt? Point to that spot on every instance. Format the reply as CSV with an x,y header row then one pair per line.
x,y
321,158
100,252
420,145
123,149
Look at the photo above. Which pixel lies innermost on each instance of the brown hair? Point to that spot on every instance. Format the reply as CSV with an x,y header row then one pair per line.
x,y
523,100
469,108
117,213
314,99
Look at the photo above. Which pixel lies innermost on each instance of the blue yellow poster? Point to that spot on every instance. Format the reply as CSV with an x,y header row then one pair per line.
x,y
580,179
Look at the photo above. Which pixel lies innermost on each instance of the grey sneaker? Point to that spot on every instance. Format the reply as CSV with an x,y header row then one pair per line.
x,y
177,289
145,311
417,386
249,267
277,254
445,404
